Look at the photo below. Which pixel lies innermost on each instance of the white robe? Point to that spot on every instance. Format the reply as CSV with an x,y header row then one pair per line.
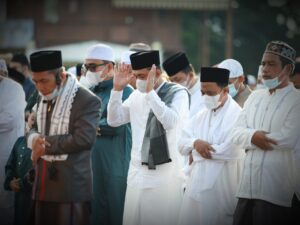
x,y
268,175
152,196
210,192
12,122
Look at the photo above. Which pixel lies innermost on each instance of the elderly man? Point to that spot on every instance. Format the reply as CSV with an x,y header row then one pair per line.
x,y
237,89
210,193
156,110
268,128
67,117
111,152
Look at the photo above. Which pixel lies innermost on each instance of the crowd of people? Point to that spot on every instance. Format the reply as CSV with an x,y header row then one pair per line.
x,y
144,142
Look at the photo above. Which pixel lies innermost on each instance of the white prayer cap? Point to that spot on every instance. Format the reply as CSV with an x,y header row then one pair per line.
x,y
251,79
101,52
235,68
125,58
3,66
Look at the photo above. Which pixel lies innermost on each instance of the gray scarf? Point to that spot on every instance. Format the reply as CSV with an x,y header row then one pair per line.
x,y
155,149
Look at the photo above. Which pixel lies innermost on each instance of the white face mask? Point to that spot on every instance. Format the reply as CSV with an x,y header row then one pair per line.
x,y
94,78
141,85
212,102
84,82
52,95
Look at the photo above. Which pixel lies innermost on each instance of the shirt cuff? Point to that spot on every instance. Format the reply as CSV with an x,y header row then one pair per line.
x,y
30,139
249,143
116,95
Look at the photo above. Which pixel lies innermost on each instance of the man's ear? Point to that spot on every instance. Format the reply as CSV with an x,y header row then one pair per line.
x,y
226,89
289,68
110,67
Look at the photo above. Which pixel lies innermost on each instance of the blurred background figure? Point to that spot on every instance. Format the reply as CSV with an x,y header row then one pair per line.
x,y
259,81
76,71
295,77
3,68
12,125
251,81
237,89
137,47
126,60
20,63
18,177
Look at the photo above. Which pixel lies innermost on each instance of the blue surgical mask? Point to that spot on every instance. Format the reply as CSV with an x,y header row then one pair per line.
x,y
271,83
232,90
53,95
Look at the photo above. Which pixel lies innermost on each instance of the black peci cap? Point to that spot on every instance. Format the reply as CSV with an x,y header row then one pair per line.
x,y
45,60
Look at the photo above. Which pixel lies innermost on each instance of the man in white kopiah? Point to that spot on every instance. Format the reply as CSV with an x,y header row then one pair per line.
x,y
12,126
268,128
156,111
210,192
237,89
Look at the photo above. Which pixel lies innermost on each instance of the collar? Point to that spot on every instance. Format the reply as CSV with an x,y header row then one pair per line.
x,y
281,91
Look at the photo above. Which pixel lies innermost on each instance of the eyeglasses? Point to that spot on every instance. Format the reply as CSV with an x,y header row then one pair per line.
x,y
92,67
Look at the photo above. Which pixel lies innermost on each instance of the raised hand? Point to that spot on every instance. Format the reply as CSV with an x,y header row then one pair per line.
x,y
151,79
122,76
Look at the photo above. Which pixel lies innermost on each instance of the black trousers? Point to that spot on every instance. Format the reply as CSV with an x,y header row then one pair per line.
x,y
259,212
296,210
52,213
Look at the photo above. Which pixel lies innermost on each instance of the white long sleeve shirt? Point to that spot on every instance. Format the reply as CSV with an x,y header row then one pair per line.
x,y
213,127
136,110
268,175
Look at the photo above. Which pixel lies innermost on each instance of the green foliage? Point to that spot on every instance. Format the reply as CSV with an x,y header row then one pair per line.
x,y
255,23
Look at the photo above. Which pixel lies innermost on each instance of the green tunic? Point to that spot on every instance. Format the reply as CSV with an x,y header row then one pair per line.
x,y
18,165
110,162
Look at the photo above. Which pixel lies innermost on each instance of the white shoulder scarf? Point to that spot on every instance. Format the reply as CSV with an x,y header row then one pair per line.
x,y
60,116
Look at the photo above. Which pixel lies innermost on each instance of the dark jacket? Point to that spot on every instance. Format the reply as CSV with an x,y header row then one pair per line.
x,y
73,180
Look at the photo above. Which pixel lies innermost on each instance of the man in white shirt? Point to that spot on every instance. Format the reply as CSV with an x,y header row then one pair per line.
x,y
156,110
210,193
181,71
268,128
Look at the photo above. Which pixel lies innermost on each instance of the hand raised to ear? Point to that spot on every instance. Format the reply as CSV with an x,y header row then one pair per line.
x,y
151,79
122,76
